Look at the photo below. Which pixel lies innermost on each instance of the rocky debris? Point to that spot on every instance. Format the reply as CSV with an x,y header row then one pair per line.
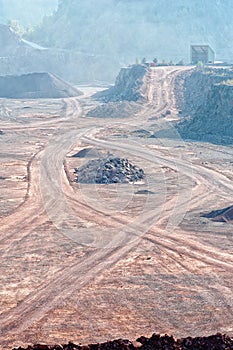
x,y
221,215
1,132
156,342
207,106
213,342
36,85
108,170
122,109
141,133
129,85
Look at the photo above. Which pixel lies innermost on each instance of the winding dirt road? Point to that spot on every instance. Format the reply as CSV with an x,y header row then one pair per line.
x,y
111,238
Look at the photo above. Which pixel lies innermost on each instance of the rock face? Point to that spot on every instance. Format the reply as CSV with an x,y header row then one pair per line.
x,y
35,85
129,85
208,106
108,170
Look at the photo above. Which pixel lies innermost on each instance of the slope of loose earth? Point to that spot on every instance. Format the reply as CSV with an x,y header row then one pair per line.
x,y
36,85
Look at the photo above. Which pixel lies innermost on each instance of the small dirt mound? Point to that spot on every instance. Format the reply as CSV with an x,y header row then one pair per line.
x,y
87,153
35,85
108,171
115,110
144,192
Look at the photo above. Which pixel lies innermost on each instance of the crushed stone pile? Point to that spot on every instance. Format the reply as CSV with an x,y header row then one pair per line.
x,y
35,85
108,170
156,342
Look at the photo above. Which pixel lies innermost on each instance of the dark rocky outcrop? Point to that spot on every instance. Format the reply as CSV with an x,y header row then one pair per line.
x,y
108,170
128,86
35,85
156,342
221,215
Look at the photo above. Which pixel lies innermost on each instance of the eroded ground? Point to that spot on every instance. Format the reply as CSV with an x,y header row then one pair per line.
x,y
89,262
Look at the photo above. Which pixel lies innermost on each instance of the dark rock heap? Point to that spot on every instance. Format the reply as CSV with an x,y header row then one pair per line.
x,y
220,215
108,170
156,342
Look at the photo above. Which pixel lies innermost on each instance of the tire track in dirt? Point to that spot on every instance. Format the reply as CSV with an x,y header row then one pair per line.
x,y
75,277
54,285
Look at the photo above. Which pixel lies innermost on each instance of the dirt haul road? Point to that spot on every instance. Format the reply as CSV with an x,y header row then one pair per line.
x,y
185,265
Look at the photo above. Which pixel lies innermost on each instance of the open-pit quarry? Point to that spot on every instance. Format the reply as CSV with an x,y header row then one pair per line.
x,y
92,261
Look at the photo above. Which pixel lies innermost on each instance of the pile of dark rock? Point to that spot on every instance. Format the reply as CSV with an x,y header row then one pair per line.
x,y
156,342
220,215
213,342
108,170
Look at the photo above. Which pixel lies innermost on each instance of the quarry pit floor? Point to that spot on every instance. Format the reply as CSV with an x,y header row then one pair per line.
x,y
88,262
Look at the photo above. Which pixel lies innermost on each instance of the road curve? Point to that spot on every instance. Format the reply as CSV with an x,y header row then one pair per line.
x,y
47,199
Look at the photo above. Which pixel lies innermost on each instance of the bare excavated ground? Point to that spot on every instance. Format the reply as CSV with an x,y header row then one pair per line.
x,y
89,263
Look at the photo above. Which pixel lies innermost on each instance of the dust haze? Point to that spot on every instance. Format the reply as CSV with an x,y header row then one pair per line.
x,y
116,173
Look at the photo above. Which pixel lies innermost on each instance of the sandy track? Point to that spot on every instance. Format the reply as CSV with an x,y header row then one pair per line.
x,y
45,199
